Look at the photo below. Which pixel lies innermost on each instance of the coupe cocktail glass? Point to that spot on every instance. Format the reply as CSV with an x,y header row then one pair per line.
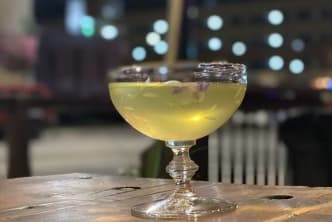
x,y
179,104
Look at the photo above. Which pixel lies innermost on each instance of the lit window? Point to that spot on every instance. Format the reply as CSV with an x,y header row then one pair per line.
x,y
109,32
276,62
138,53
275,40
214,44
160,26
239,48
296,66
215,22
275,17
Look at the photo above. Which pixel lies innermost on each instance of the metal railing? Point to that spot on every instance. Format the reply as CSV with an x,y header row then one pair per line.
x,y
247,151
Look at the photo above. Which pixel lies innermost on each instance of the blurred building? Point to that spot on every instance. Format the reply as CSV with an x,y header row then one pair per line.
x,y
15,15
274,38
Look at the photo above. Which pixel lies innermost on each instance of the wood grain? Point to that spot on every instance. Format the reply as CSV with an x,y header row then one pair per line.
x,y
85,197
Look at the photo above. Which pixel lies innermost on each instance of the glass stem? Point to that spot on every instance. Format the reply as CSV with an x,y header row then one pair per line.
x,y
182,168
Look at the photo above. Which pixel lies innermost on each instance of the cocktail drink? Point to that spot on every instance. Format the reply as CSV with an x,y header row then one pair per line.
x,y
175,111
179,105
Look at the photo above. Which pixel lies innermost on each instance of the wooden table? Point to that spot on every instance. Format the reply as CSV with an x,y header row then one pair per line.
x,y
85,197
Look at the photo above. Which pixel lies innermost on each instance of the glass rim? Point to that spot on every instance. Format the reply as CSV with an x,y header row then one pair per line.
x,y
221,67
221,70
196,66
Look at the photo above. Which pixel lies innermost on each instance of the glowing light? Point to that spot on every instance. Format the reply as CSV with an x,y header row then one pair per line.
x,y
215,22
329,84
245,79
322,83
214,44
138,53
109,32
297,45
160,26
238,117
275,40
161,48
163,70
239,48
262,118
296,66
275,17
276,62
196,118
87,24
75,10
152,38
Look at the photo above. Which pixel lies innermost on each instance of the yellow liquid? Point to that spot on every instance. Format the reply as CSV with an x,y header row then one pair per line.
x,y
176,111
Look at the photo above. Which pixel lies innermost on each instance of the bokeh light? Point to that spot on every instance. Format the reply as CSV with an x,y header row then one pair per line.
x,y
321,83
298,45
276,62
152,38
192,12
275,40
163,70
160,26
214,44
215,22
296,66
87,24
109,32
275,17
138,53
239,48
161,48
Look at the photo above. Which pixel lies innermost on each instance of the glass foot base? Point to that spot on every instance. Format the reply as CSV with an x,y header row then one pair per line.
x,y
188,208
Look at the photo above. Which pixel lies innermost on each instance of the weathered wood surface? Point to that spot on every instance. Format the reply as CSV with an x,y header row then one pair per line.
x,y
84,197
